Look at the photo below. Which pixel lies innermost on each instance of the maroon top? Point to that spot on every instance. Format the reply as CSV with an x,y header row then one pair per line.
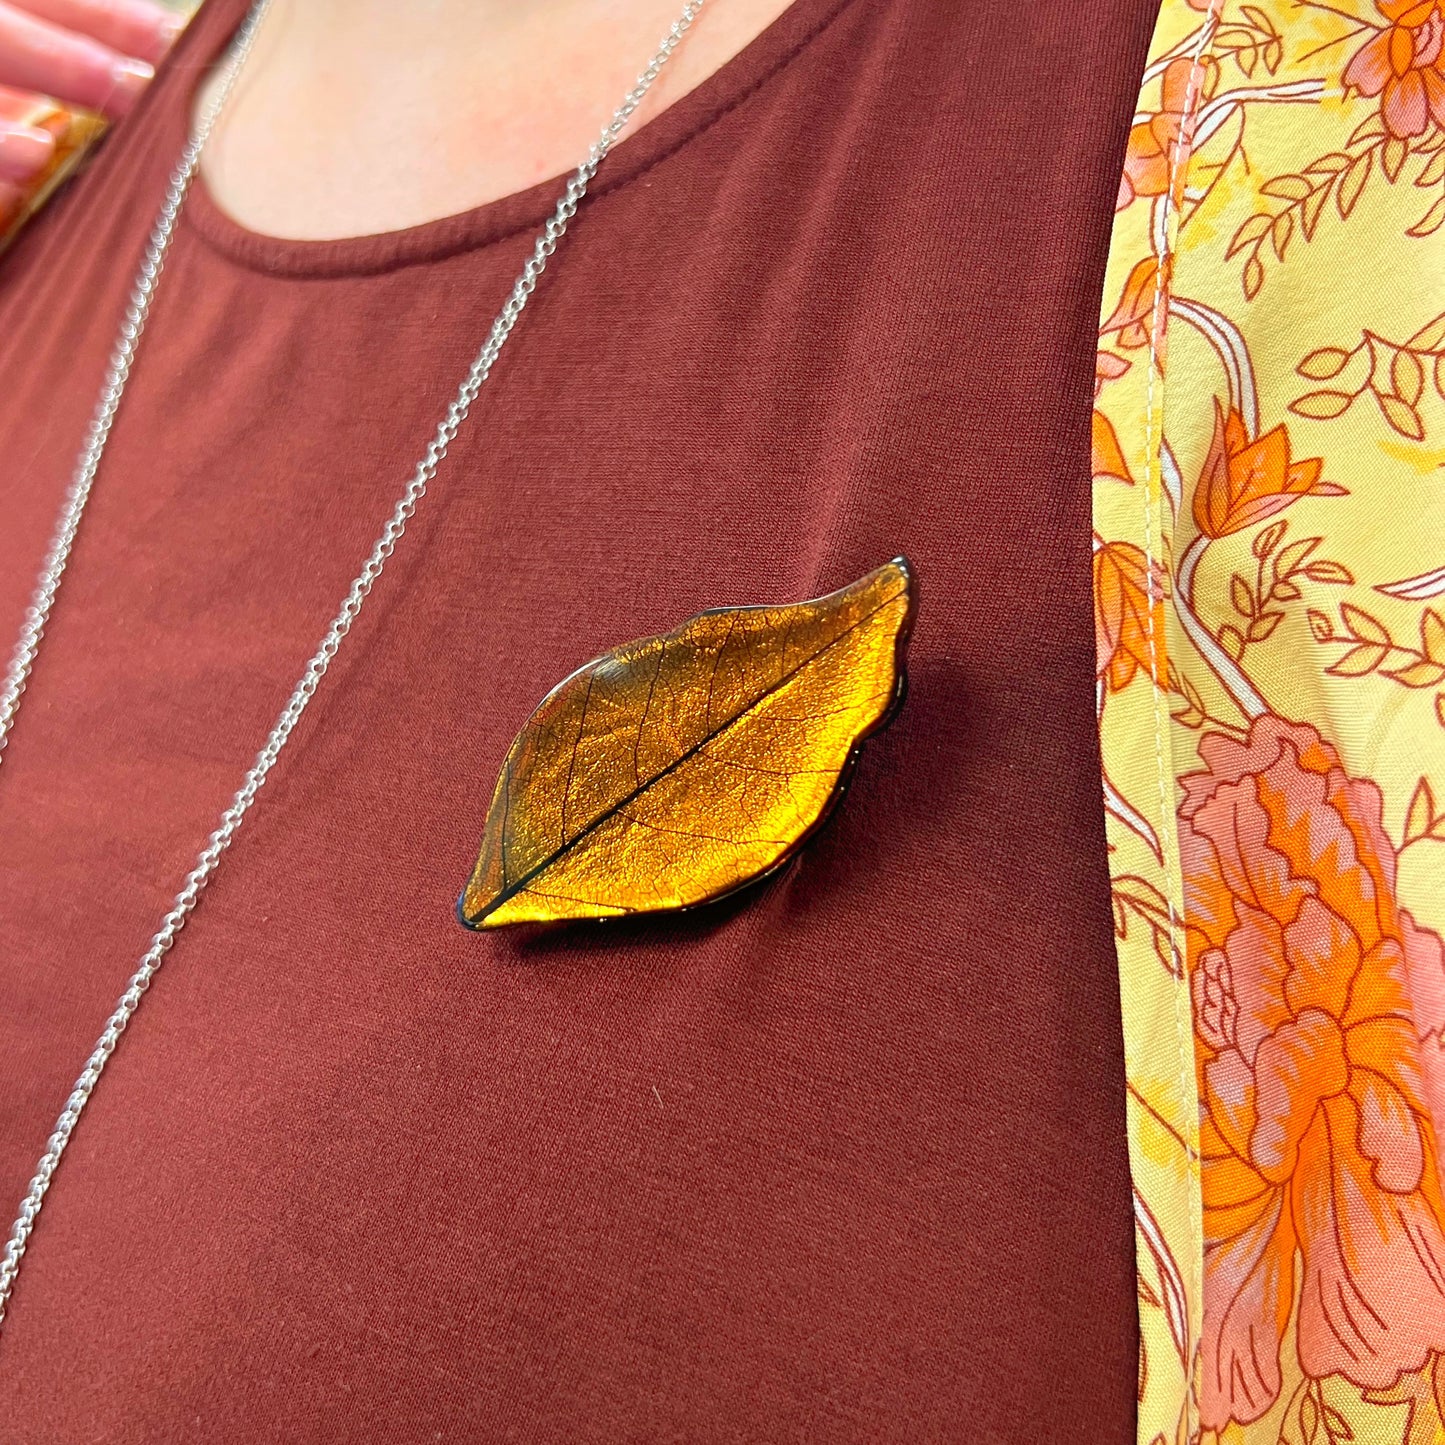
x,y
844,1160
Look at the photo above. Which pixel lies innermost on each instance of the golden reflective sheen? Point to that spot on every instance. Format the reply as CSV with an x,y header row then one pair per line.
x,y
674,770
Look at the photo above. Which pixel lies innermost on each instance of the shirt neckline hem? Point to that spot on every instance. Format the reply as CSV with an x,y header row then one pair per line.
x,y
493,222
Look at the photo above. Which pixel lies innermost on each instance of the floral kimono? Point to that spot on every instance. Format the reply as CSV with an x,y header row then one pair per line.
x,y
1269,564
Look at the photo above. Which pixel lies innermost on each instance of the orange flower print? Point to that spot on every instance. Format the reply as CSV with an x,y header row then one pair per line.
x,y
1243,482
1107,367
1133,318
1108,455
1317,1074
1155,140
1122,605
1401,64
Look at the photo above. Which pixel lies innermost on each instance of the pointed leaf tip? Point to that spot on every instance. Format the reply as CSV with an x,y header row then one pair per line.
x,y
677,769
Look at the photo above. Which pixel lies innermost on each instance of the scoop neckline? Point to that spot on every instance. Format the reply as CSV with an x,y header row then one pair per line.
x,y
494,221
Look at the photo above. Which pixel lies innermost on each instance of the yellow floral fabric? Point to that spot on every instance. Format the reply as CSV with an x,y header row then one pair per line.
x,y
1269,566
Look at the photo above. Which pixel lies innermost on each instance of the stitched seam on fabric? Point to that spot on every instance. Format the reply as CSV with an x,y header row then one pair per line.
x,y
1168,841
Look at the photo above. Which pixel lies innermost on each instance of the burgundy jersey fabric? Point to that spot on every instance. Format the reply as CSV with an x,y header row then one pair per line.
x,y
843,1159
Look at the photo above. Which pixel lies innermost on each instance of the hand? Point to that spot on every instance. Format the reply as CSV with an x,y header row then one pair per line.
x,y
98,54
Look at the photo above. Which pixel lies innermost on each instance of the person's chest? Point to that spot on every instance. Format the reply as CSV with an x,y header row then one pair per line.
x,y
762,1147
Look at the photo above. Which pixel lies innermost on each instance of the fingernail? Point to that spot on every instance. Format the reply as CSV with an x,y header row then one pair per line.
x,y
25,151
129,77
171,28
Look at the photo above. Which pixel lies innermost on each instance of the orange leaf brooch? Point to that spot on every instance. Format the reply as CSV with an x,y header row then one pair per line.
x,y
674,770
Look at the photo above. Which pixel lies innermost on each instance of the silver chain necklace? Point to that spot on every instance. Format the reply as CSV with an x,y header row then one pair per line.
x,y
73,508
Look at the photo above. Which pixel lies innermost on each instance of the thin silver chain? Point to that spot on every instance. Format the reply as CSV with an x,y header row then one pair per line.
x,y
113,389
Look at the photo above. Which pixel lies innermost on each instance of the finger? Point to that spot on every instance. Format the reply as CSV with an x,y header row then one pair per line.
x,y
25,151
141,28
36,55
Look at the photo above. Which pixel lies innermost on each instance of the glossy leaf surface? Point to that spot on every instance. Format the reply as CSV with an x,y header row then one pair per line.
x,y
676,769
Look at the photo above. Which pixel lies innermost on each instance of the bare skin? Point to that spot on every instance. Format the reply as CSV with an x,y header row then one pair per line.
x,y
360,116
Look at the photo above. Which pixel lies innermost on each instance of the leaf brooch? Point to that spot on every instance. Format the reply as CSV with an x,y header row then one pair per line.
x,y
672,771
